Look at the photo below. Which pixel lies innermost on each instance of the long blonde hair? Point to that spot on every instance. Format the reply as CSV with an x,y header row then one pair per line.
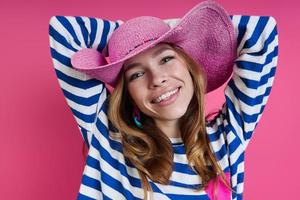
x,y
150,150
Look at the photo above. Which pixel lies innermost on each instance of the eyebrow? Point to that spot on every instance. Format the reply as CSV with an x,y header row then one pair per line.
x,y
157,52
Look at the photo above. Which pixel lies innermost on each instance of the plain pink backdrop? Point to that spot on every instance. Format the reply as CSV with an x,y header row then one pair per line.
x,y
40,145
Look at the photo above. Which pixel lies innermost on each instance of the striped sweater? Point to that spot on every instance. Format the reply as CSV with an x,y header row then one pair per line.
x,y
107,174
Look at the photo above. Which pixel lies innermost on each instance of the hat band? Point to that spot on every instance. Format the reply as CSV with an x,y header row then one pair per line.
x,y
143,42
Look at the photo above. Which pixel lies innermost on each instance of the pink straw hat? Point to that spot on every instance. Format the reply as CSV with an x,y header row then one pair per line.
x,y
205,33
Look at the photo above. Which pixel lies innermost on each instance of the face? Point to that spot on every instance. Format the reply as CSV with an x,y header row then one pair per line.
x,y
159,83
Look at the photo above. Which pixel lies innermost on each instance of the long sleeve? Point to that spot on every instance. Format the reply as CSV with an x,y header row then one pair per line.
x,y
83,94
246,95
253,73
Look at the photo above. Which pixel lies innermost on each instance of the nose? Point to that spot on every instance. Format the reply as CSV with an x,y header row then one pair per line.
x,y
158,78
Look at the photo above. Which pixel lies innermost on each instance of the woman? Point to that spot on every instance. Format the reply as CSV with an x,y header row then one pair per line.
x,y
155,142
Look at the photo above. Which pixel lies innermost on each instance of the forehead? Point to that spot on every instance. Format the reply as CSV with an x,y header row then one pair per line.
x,y
149,53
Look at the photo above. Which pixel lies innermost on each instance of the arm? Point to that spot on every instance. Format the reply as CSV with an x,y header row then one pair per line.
x,y
246,94
83,94
253,74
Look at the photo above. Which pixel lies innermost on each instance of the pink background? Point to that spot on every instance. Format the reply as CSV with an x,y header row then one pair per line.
x,y
40,146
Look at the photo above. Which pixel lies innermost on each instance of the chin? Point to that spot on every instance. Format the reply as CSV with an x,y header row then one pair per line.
x,y
173,115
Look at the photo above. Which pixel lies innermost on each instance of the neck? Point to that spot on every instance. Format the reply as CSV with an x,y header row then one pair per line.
x,y
170,128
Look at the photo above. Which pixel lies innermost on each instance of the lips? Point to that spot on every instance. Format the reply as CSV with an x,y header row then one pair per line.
x,y
165,95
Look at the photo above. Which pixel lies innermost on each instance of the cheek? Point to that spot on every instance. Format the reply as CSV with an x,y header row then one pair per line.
x,y
136,93
182,72
186,76
191,84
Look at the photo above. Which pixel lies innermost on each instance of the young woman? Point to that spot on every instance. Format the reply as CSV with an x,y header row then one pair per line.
x,y
141,111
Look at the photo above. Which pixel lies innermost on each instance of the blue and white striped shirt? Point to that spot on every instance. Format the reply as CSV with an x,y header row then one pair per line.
x,y
107,174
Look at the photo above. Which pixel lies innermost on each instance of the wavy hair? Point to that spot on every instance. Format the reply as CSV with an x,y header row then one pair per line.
x,y
150,150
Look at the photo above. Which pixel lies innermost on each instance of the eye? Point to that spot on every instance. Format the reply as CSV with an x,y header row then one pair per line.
x,y
135,75
166,59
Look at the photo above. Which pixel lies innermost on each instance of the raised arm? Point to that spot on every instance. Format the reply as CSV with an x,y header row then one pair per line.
x,y
83,94
253,74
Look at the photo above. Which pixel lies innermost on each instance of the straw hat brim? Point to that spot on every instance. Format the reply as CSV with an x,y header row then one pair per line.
x,y
205,33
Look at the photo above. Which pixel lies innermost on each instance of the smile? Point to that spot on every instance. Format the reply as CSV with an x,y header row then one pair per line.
x,y
165,96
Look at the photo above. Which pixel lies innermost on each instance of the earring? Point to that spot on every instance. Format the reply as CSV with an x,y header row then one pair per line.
x,y
137,117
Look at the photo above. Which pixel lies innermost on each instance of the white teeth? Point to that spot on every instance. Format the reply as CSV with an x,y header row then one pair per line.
x,y
164,96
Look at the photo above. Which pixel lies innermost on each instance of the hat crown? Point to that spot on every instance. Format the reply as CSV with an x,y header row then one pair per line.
x,y
134,34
